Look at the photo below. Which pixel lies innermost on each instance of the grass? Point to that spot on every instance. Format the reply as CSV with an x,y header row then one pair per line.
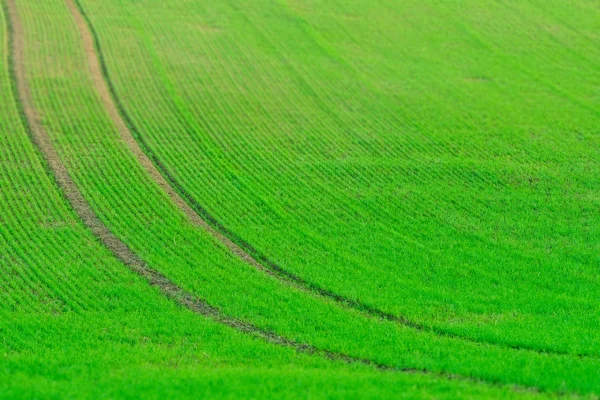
x,y
469,211
76,324
421,165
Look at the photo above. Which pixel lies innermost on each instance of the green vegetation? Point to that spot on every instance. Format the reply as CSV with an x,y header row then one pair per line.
x,y
75,323
472,209
433,162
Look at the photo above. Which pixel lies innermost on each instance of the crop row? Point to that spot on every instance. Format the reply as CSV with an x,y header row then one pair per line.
x,y
132,206
242,111
71,314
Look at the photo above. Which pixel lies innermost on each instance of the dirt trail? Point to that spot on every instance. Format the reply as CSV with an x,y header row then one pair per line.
x,y
199,216
119,249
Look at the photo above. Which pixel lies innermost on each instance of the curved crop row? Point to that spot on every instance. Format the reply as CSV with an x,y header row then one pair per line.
x,y
194,210
134,208
271,133
72,318
111,242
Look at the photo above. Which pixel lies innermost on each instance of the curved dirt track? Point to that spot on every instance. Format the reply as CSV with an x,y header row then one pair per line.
x,y
203,219
118,248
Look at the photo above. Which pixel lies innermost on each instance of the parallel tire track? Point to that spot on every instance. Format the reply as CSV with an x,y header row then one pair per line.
x,y
118,248
198,215
58,171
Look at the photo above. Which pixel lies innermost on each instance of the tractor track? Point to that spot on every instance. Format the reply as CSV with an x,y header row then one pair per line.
x,y
200,216
118,248
59,173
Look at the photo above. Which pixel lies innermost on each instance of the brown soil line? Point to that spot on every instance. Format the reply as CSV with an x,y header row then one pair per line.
x,y
95,68
119,249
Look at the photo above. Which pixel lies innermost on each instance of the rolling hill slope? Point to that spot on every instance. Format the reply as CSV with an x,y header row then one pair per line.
x,y
406,192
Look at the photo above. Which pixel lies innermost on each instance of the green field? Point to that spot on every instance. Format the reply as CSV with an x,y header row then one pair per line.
x,y
299,199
